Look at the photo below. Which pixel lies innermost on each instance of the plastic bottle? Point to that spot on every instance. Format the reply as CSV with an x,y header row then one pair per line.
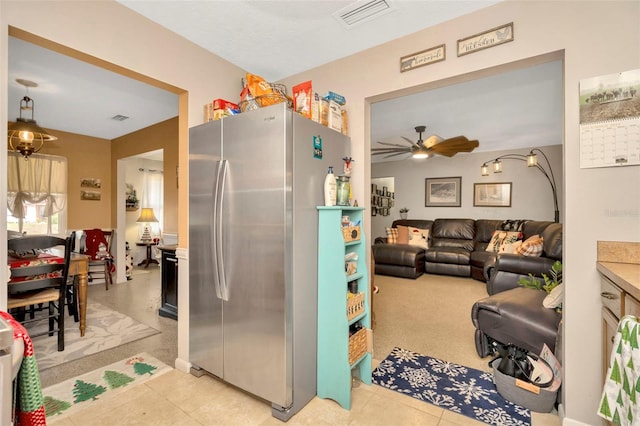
x,y
330,188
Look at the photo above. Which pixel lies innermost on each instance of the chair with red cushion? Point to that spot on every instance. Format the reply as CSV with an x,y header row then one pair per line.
x,y
38,277
96,244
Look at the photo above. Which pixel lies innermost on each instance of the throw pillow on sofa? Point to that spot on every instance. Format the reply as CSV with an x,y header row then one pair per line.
x,y
403,235
392,235
531,247
500,239
418,237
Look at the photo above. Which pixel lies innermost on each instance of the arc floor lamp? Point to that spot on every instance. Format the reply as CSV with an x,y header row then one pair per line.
x,y
532,161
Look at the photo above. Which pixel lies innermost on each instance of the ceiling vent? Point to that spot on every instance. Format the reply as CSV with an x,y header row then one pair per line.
x,y
363,11
119,117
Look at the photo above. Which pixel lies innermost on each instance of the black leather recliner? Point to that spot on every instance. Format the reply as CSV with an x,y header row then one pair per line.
x,y
515,317
451,245
400,260
509,268
512,314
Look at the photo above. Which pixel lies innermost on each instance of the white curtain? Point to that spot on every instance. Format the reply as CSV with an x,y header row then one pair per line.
x,y
41,178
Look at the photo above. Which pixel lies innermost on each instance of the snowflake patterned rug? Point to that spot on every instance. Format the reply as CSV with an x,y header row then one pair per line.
x,y
454,387
79,392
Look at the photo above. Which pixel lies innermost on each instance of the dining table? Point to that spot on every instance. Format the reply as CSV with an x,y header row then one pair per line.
x,y
78,267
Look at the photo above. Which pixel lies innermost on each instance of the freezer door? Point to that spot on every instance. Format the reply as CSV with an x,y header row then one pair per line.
x,y
205,308
257,201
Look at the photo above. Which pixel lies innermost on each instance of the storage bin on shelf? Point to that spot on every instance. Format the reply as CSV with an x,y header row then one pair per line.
x,y
357,345
351,233
355,305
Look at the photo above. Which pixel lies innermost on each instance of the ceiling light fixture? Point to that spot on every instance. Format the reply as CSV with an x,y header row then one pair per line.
x,y
532,161
25,136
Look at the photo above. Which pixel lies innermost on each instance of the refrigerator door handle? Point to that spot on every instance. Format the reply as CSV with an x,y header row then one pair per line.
x,y
213,228
221,283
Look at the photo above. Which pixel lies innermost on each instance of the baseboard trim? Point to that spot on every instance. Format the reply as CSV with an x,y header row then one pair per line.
x,y
182,365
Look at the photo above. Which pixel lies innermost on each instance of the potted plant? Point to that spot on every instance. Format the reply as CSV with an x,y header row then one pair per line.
x,y
403,212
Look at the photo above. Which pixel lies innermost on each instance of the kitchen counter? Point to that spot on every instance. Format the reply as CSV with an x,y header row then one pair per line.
x,y
620,262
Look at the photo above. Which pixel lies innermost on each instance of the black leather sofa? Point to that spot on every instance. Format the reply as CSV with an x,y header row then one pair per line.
x,y
458,247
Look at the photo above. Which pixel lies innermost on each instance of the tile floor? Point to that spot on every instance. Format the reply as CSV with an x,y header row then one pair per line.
x,y
177,398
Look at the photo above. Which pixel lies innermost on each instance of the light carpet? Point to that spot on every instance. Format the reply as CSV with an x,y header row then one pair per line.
x,y
79,392
451,386
105,329
431,315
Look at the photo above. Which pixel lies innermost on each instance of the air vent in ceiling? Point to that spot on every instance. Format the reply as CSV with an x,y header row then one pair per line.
x,y
119,117
363,11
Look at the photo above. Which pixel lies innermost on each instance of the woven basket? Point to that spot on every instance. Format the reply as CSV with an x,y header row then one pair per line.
x,y
351,233
355,306
357,345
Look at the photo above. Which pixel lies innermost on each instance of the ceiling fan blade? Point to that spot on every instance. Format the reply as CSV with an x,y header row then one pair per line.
x,y
409,140
378,151
452,146
432,140
392,144
398,153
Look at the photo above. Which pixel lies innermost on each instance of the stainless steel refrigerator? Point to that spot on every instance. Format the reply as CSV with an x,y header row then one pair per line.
x,y
255,180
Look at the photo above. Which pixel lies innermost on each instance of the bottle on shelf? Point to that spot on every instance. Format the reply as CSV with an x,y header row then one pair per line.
x,y
330,188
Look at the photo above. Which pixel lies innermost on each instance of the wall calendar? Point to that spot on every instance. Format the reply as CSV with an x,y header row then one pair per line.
x,y
610,120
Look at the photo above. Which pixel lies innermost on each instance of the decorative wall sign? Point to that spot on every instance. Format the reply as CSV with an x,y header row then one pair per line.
x,y
89,195
422,58
90,183
485,40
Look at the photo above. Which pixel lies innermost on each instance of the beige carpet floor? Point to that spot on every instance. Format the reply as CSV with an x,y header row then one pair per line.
x,y
430,315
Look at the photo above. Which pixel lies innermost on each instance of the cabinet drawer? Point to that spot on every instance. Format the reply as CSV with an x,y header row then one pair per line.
x,y
611,297
631,306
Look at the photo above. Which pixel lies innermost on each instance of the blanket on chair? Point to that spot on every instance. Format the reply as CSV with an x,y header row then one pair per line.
x,y
30,403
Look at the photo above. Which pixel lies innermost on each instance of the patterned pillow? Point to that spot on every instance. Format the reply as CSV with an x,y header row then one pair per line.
x,y
392,235
510,248
418,237
403,235
513,225
531,247
500,239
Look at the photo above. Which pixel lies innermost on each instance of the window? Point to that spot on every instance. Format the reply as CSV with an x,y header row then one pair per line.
x,y
36,194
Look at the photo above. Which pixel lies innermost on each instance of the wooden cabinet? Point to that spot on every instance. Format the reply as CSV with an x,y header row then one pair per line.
x,y
169,297
344,323
616,303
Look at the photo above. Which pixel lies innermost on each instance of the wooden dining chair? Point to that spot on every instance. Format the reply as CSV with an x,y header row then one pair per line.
x,y
39,277
100,261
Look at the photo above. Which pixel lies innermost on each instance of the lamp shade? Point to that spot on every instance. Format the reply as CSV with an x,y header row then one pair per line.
x,y
147,215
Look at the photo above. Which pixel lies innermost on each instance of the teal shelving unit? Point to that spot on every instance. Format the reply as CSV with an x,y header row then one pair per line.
x,y
334,366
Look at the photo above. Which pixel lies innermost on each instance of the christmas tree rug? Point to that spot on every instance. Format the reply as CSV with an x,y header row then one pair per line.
x,y
79,392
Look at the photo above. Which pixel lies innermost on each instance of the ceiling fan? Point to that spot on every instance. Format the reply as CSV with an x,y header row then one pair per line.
x,y
434,144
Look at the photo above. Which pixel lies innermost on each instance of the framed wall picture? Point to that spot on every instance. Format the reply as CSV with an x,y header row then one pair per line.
x,y
496,194
442,192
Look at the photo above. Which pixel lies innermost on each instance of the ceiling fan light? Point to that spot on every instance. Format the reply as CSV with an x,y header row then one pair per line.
x,y
497,166
484,170
420,155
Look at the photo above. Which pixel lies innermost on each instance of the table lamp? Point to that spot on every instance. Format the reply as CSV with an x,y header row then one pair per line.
x,y
146,217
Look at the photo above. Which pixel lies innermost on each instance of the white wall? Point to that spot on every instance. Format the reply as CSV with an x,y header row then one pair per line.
x,y
600,204
530,191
